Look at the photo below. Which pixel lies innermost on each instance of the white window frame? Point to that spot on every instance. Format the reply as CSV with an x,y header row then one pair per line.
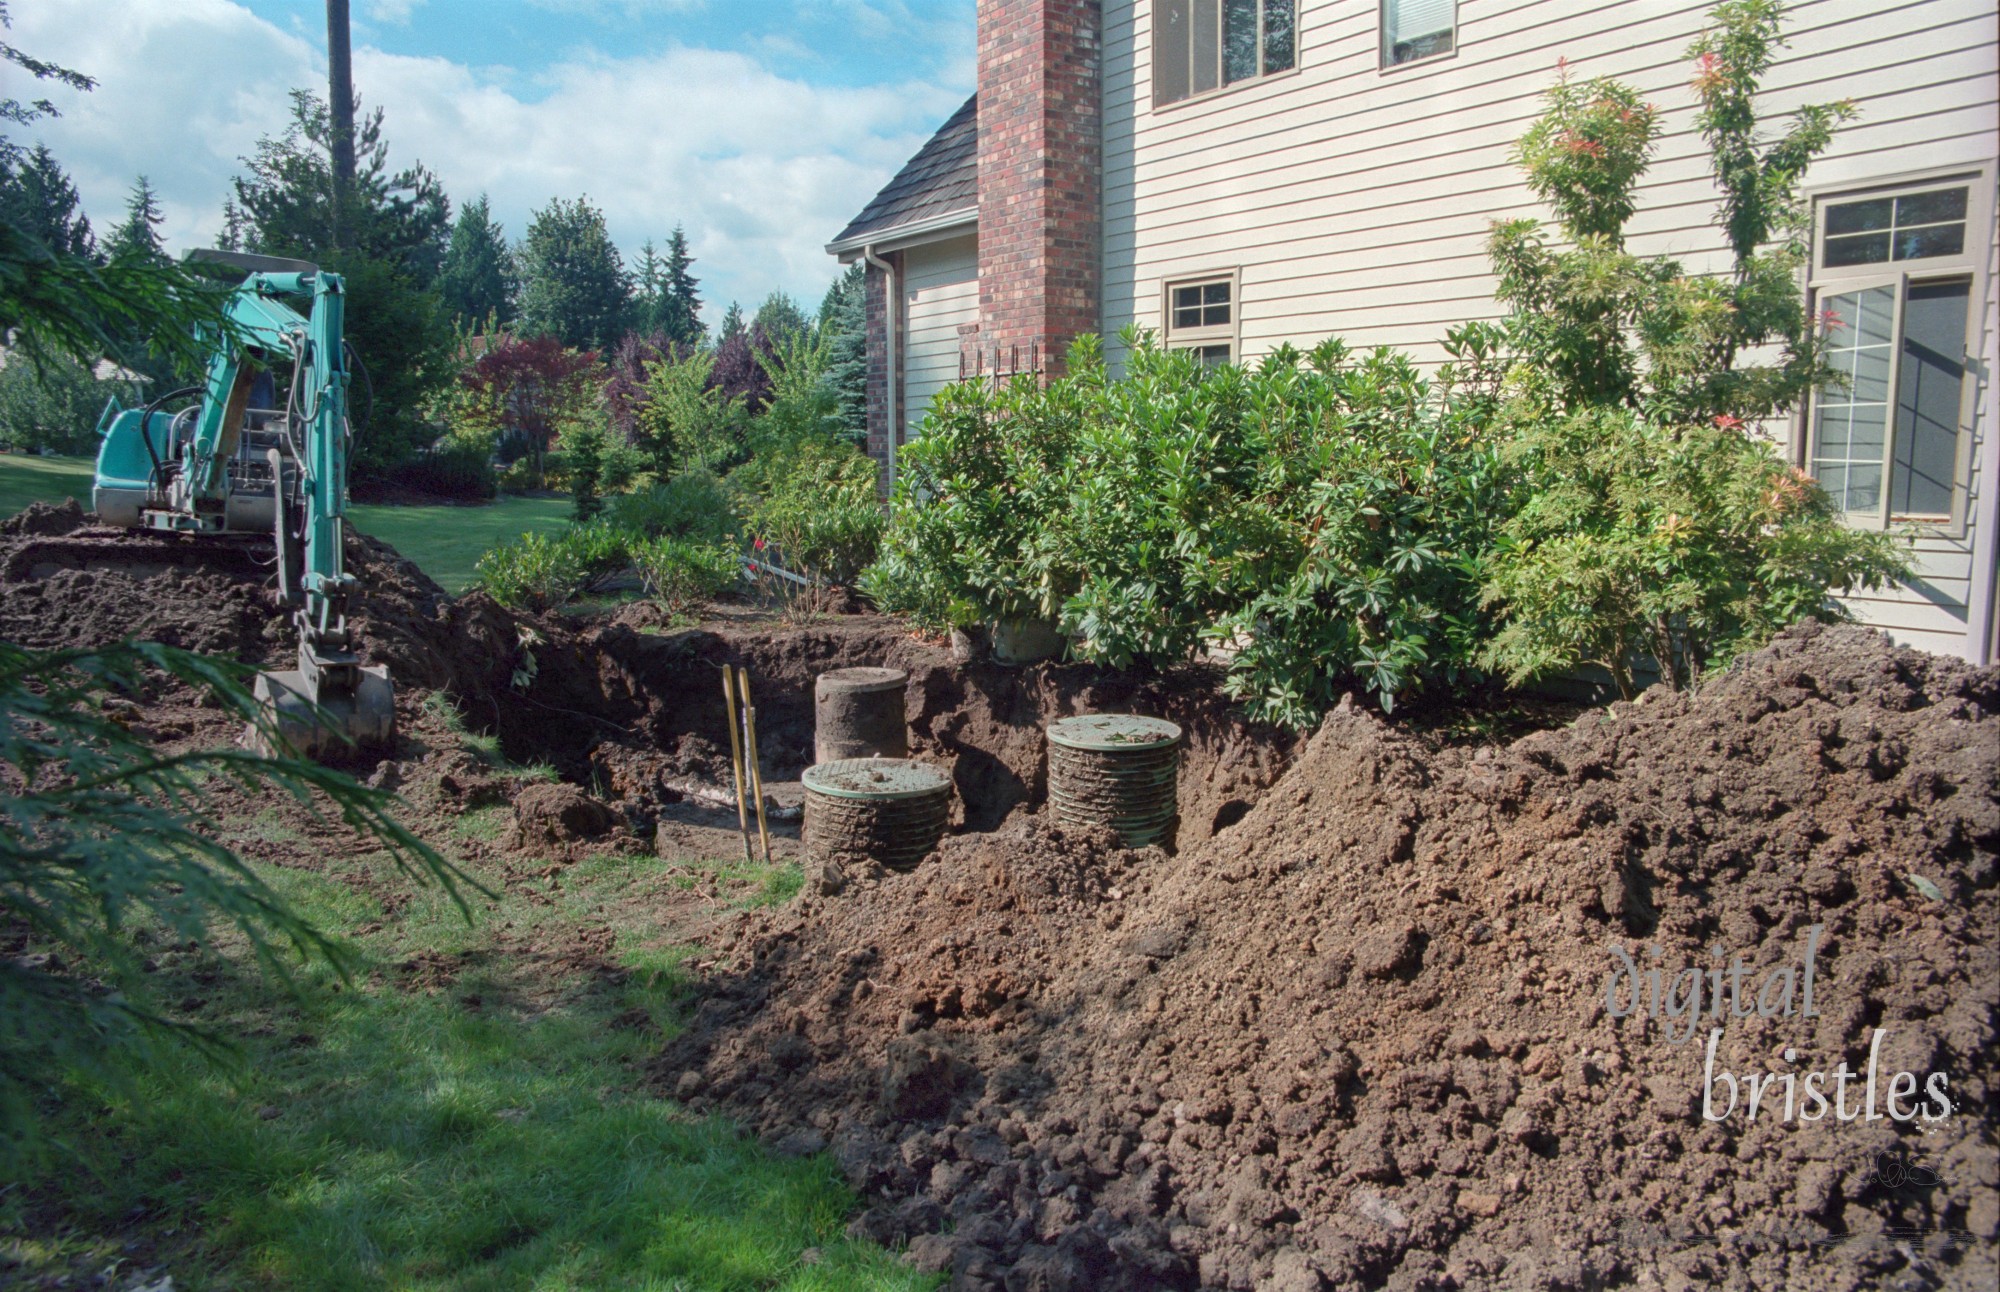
x,y
1382,41
1969,264
1223,86
1194,338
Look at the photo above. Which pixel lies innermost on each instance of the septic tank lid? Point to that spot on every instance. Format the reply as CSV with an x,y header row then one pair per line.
x,y
1110,731
875,778
865,679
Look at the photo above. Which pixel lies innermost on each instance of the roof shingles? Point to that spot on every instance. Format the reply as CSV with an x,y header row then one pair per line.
x,y
943,177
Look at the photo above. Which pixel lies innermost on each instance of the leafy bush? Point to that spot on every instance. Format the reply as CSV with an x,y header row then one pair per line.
x,y
98,837
454,469
55,405
685,420
537,573
1322,516
1384,519
973,498
813,507
1649,522
693,504
682,573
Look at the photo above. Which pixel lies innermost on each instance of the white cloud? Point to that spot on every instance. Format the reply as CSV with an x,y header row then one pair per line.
x,y
394,13
761,169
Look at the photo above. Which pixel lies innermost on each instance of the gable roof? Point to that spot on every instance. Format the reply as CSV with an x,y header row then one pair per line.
x,y
937,187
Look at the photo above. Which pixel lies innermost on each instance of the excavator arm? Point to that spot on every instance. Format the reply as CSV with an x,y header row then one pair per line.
x,y
205,479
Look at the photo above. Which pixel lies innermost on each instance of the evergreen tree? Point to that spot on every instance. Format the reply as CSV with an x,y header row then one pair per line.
x,y
235,233
732,324
680,316
37,197
478,281
843,323
649,283
573,283
388,242
401,219
139,233
780,319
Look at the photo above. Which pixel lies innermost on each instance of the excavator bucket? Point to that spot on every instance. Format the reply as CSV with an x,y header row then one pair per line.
x,y
330,726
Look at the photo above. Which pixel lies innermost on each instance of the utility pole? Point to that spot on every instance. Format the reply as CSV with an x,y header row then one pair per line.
x,y
340,106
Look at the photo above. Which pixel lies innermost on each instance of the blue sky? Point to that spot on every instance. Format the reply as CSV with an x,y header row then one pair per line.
x,y
760,125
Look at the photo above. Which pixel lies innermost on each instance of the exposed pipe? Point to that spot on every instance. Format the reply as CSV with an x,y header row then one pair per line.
x,y
892,388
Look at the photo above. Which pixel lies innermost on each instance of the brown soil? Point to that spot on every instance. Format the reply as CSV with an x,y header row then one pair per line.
x,y
1351,1032
1360,1037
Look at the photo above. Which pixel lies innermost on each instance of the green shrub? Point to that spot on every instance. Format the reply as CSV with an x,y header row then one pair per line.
x,y
682,573
812,507
537,573
453,469
1649,523
693,504
56,404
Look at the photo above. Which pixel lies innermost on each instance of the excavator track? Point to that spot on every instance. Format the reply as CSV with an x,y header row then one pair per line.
x,y
138,554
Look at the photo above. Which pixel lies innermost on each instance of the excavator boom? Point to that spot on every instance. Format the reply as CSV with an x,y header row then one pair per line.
x,y
223,466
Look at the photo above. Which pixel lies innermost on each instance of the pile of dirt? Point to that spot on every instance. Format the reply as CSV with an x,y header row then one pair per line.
x,y
67,581
1362,1036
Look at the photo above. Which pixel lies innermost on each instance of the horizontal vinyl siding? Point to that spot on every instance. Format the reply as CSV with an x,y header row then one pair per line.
x,y
942,294
1358,203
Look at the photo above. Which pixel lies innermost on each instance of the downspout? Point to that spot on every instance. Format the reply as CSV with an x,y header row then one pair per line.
x,y
892,387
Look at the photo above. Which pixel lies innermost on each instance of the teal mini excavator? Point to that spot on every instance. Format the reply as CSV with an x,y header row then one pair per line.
x,y
227,459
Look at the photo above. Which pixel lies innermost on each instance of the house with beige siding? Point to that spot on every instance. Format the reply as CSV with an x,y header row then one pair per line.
x,y
1236,174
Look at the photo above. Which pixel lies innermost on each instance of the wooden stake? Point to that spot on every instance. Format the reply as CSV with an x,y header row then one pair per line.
x,y
756,771
736,755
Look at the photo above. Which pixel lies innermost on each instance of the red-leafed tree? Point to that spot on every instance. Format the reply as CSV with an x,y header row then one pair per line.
x,y
523,390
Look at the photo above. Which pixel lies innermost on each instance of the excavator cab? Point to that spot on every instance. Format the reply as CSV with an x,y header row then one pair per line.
x,y
230,458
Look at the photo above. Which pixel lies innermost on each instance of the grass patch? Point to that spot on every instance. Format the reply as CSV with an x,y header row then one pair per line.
x,y
446,542
25,479
480,1127
771,884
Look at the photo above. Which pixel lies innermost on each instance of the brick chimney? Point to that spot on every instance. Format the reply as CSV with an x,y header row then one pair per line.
x,y
1041,164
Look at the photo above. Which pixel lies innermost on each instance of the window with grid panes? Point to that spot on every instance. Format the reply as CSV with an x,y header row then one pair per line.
x,y
1204,45
1893,281
1201,316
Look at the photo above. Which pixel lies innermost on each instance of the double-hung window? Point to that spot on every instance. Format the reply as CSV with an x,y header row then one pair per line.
x,y
1204,45
1417,29
1201,316
1892,278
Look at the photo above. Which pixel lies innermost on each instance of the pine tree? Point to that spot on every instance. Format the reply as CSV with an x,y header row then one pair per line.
x,y
478,280
680,316
37,197
780,319
573,283
235,233
139,233
843,319
732,323
402,219
649,286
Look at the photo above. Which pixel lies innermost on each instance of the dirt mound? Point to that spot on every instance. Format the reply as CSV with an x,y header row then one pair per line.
x,y
557,814
67,581
1362,1036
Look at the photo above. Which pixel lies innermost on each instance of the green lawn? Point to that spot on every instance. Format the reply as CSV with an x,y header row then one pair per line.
x,y
445,542
455,1116
25,479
